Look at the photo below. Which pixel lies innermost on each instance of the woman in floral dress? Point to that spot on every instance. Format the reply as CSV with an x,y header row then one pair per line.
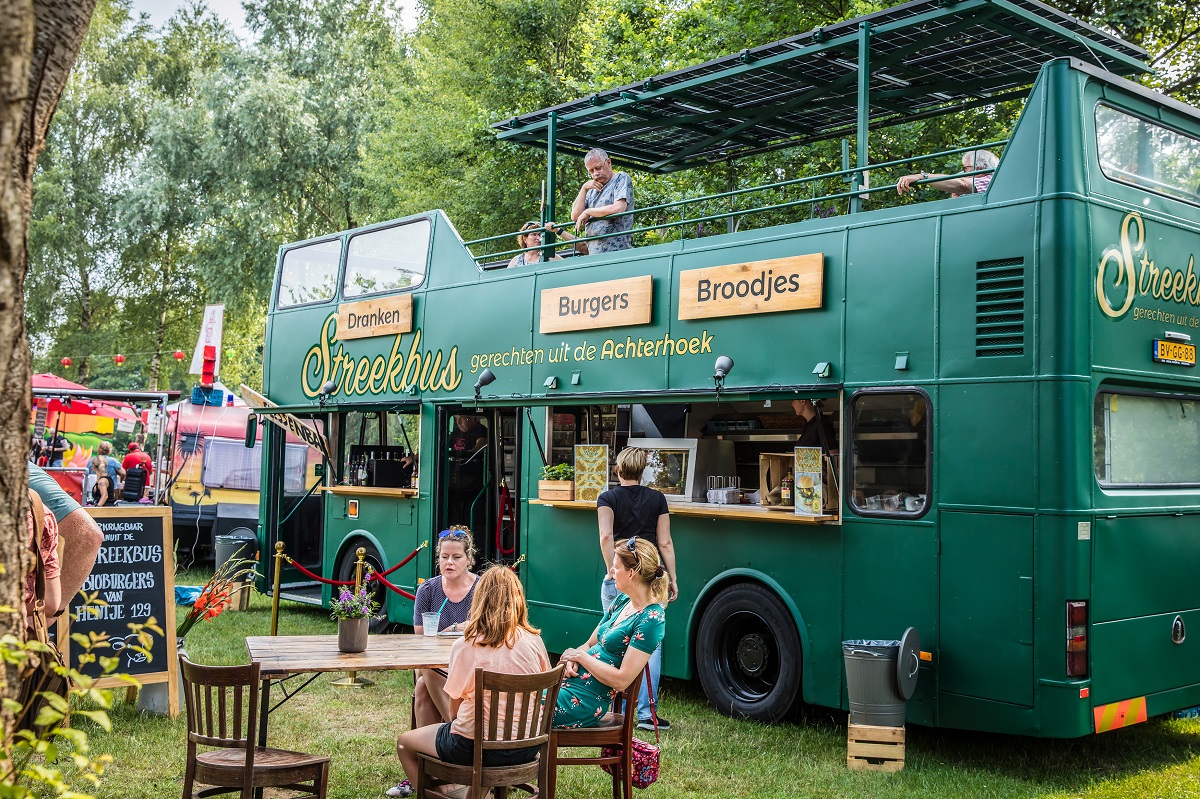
x,y
622,643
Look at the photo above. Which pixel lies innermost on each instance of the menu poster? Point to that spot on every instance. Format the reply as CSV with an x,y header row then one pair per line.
x,y
591,471
132,581
807,472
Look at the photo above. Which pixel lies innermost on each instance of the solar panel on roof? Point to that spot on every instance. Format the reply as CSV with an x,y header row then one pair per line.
x,y
927,57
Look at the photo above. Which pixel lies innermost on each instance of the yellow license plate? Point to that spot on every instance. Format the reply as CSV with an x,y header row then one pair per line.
x,y
1175,352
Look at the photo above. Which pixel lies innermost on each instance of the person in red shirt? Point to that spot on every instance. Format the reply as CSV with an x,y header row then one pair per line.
x,y
140,460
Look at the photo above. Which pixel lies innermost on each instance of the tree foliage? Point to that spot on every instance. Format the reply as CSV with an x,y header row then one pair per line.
x,y
182,158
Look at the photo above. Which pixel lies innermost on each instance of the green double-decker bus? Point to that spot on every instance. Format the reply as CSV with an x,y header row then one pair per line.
x,y
1008,456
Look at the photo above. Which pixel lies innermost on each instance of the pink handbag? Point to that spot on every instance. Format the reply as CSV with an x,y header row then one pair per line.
x,y
644,758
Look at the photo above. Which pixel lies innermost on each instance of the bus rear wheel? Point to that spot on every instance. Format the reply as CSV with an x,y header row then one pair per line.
x,y
346,569
748,654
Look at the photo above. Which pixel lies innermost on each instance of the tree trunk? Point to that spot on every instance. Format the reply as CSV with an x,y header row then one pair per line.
x,y
38,44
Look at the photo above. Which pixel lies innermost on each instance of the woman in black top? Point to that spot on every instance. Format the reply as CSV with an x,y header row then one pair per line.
x,y
632,509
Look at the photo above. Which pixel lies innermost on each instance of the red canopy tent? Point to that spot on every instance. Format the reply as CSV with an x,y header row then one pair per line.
x,y
68,404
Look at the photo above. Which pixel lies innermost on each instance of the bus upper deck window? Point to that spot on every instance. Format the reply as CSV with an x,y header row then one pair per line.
x,y
1145,154
889,453
388,259
309,273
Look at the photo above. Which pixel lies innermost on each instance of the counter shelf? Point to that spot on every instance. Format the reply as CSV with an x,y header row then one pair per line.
x,y
369,491
707,510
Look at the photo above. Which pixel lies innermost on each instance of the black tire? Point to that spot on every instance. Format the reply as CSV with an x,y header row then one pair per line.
x,y
748,654
345,571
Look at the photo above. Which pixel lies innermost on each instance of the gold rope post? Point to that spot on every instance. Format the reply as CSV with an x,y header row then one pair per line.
x,y
275,593
352,680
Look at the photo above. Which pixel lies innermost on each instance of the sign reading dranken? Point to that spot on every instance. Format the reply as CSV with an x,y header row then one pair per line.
x,y
388,316
612,303
287,421
777,284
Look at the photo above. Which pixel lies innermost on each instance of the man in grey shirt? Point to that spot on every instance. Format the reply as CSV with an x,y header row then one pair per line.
x,y
607,193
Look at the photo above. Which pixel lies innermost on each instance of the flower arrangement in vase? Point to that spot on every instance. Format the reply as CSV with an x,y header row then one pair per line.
x,y
353,611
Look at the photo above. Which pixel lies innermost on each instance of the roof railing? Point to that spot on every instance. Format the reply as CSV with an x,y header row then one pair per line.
x,y
684,221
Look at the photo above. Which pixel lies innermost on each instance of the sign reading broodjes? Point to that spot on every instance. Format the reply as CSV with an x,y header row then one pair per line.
x,y
611,303
776,284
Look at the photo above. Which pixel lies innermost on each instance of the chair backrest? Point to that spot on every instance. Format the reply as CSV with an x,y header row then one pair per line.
x,y
135,483
525,700
626,701
222,705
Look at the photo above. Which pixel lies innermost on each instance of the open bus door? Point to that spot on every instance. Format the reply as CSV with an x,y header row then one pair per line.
x,y
292,512
477,477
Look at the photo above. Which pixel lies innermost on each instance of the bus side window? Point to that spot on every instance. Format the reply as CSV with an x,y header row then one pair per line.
x,y
890,437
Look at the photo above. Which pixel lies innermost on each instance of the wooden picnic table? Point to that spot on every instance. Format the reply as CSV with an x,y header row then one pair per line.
x,y
285,656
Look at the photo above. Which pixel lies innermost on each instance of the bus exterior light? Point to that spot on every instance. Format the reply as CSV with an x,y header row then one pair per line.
x,y
1077,642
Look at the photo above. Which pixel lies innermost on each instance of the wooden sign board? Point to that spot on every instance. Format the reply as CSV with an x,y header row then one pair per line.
x,y
776,284
132,581
386,316
612,303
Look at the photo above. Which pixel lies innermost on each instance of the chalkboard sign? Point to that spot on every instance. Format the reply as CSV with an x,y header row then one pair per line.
x,y
133,580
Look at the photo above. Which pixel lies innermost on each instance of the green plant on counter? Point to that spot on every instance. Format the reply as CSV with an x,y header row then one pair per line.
x,y
561,471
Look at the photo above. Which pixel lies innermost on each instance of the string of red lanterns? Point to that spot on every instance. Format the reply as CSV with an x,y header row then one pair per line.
x,y
119,359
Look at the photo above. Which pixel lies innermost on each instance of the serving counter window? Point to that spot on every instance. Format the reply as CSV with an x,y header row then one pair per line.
x,y
889,452
378,449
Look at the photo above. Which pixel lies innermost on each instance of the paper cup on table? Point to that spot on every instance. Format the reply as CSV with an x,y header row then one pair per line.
x,y
430,622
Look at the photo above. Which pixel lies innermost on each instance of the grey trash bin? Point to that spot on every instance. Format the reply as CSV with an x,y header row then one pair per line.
x,y
235,545
871,683
240,543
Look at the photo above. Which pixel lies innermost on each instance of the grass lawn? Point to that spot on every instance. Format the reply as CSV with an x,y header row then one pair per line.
x,y
706,755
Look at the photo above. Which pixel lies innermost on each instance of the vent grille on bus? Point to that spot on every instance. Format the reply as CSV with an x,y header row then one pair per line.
x,y
1000,308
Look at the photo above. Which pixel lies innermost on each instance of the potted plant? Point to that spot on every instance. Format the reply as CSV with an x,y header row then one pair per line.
x,y
353,611
557,483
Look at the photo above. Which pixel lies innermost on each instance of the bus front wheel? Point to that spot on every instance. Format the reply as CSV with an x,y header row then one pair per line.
x,y
748,654
346,571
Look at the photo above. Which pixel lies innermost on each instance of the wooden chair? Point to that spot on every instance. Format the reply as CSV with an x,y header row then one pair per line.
x,y
615,729
222,712
527,725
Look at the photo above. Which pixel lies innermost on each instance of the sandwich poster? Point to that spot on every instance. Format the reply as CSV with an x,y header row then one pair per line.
x,y
807,471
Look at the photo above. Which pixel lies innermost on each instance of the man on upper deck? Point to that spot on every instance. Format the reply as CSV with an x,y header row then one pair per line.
x,y
956,187
607,193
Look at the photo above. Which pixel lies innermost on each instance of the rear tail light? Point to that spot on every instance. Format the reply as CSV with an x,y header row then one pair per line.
x,y
1077,642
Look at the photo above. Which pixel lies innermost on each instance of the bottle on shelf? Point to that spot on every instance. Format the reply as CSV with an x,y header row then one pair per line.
x,y
787,490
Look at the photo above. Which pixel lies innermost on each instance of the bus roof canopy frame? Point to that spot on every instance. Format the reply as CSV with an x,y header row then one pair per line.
x,y
926,58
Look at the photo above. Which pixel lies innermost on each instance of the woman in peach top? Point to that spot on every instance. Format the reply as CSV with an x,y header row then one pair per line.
x,y
497,638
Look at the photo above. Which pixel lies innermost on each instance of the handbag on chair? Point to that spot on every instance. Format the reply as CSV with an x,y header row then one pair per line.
x,y
644,758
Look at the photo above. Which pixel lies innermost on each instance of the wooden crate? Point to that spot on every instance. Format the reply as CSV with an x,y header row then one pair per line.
x,y
870,748
556,490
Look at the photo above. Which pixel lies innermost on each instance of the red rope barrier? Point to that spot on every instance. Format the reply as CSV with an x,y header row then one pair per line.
x,y
374,575
316,577
412,555
384,582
